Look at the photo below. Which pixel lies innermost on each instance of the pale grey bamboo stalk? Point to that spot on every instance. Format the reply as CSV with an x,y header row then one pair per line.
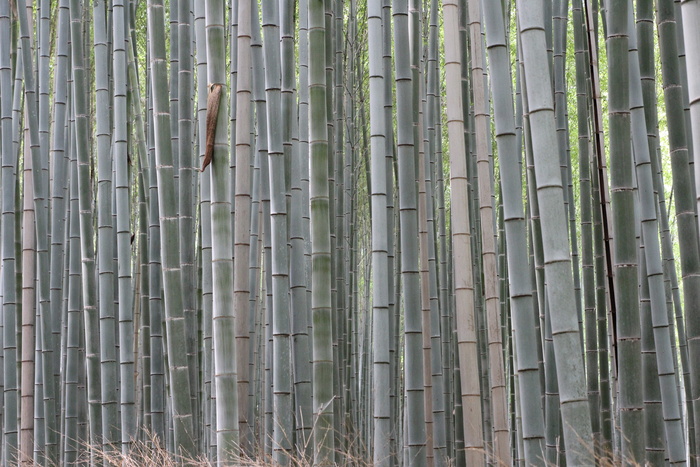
x,y
9,261
647,65
71,446
155,295
691,13
59,211
185,187
297,202
265,330
380,241
28,367
464,284
519,279
241,256
88,271
391,218
174,88
126,310
415,440
304,159
675,442
437,354
281,328
33,150
60,183
206,405
481,117
322,349
105,235
172,280
683,193
51,338
560,288
224,316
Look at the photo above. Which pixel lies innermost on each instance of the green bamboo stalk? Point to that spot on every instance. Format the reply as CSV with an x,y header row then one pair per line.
x,y
322,313
658,318
647,66
584,151
625,251
685,204
519,279
567,343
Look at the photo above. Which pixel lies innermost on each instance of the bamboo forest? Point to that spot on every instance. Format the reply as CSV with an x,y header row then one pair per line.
x,y
389,233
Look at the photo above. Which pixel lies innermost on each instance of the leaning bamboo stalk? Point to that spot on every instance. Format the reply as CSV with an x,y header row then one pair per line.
x,y
564,320
685,204
39,226
659,316
519,279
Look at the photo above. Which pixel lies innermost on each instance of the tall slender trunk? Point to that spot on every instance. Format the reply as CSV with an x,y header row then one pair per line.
x,y
464,284
519,279
241,288
560,287
322,313
488,250
169,237
380,269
